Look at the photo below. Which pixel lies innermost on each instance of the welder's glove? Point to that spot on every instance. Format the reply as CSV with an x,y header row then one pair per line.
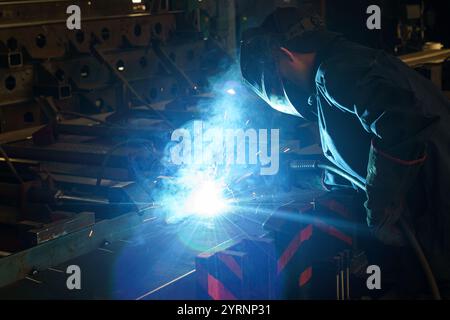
x,y
388,180
382,224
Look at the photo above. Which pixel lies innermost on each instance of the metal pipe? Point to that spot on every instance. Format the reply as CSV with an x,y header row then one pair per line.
x,y
347,270
341,271
8,3
10,165
64,197
88,19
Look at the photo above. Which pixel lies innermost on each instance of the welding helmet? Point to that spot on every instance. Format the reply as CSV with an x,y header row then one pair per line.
x,y
289,28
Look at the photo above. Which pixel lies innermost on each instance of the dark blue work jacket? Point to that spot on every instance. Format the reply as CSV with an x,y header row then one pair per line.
x,y
383,122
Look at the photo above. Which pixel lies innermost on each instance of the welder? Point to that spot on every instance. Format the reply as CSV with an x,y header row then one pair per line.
x,y
379,120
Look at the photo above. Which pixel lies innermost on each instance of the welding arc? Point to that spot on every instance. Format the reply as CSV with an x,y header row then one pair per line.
x,y
408,233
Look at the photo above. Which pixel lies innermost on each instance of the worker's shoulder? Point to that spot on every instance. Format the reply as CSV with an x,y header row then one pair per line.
x,y
348,62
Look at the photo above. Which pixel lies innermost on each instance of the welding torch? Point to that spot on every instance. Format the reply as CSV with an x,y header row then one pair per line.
x,y
301,165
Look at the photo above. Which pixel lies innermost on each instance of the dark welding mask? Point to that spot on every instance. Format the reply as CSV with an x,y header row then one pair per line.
x,y
259,67
260,72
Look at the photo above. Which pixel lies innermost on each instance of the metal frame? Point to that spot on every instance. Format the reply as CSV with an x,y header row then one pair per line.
x,y
19,265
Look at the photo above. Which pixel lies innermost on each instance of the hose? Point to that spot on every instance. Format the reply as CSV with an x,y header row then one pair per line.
x,y
408,233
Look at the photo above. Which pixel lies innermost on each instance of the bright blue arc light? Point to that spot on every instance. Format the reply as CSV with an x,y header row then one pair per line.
x,y
207,200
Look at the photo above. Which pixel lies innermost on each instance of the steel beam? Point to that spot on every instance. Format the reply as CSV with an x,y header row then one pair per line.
x,y
19,265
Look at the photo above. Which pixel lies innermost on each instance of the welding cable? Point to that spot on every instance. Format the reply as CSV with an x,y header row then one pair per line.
x,y
10,165
146,143
408,233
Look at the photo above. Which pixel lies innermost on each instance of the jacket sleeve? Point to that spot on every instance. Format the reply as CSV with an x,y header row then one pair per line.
x,y
400,130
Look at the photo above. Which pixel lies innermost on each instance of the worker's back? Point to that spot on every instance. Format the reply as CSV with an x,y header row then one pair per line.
x,y
350,76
